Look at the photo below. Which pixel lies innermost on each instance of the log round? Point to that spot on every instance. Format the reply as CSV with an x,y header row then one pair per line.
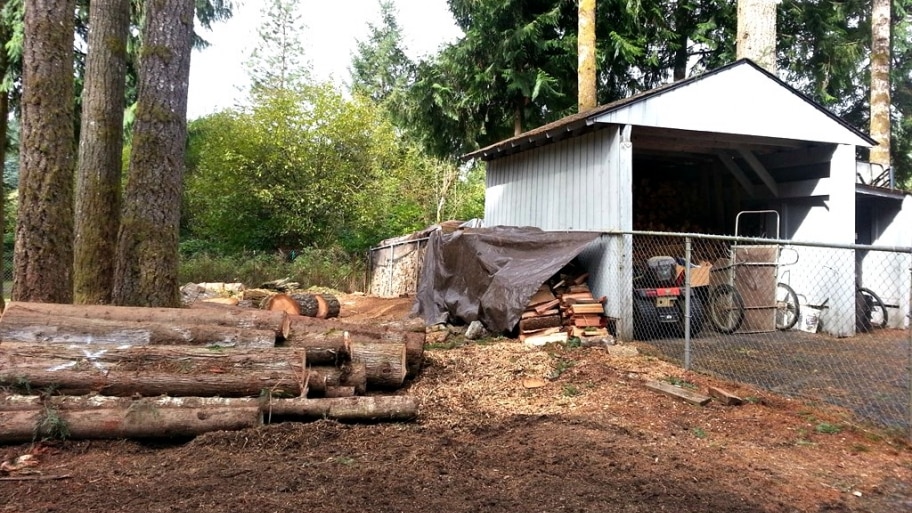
x,y
280,303
320,378
307,303
328,306
385,362
227,316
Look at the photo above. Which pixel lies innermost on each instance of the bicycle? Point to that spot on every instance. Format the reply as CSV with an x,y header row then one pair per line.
x,y
870,310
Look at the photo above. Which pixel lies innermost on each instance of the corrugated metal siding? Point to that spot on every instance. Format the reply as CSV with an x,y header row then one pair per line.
x,y
561,186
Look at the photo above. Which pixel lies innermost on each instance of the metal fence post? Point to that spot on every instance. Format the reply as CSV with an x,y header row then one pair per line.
x,y
687,301
909,363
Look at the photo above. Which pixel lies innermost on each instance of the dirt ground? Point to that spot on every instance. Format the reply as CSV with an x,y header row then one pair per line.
x,y
501,428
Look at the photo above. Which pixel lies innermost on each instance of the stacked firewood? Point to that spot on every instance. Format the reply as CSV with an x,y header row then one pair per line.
x,y
564,309
93,368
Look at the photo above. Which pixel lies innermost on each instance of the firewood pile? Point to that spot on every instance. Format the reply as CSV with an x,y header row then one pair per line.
x,y
94,371
562,310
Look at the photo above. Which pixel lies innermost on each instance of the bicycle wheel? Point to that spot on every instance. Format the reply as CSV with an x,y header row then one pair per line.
x,y
787,308
874,310
726,308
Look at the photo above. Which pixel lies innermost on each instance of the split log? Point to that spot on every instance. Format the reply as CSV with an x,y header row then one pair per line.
x,y
280,303
385,362
27,325
228,317
538,323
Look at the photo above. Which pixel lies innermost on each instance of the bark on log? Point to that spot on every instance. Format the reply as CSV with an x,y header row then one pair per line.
x,y
385,362
539,323
281,303
25,325
354,374
152,371
339,392
309,331
330,347
22,426
227,316
321,306
328,306
107,417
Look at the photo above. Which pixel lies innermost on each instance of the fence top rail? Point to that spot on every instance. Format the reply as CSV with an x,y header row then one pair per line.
x,y
401,243
761,240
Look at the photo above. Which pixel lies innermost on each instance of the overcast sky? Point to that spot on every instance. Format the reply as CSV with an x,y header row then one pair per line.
x,y
217,74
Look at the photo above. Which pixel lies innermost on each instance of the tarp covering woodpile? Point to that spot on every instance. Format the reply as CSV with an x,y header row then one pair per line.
x,y
489,274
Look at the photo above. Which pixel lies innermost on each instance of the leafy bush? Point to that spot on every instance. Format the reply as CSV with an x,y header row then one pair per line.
x,y
329,268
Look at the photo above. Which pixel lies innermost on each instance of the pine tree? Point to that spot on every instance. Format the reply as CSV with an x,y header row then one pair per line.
x,y
277,63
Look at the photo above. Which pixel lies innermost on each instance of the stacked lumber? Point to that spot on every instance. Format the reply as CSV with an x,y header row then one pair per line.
x,y
566,309
79,354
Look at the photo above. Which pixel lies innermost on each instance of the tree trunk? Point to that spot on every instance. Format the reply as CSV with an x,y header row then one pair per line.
x,y
276,322
146,265
329,347
20,325
880,82
4,125
385,363
111,417
756,38
100,163
586,83
44,231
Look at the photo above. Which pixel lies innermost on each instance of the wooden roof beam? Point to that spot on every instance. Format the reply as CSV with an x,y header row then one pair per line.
x,y
736,171
760,170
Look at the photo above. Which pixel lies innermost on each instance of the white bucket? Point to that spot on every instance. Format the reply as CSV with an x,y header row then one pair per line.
x,y
810,319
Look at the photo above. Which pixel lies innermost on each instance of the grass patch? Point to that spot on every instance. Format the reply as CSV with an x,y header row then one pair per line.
x,y
827,428
680,382
442,345
570,391
698,432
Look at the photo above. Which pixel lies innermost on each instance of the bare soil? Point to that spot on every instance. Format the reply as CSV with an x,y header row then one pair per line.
x,y
501,428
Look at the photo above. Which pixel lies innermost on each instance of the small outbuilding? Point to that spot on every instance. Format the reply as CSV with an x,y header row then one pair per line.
x,y
733,139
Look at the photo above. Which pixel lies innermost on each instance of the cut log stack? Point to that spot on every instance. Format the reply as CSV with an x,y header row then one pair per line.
x,y
566,309
74,355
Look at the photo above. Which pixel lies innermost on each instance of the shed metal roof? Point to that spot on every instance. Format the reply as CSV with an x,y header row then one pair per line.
x,y
739,98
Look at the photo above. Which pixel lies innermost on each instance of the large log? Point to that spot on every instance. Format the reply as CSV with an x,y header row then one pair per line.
x,y
151,371
385,362
133,422
175,371
330,336
398,407
20,324
227,317
111,417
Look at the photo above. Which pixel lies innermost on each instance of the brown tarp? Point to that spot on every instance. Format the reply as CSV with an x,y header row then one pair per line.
x,y
489,274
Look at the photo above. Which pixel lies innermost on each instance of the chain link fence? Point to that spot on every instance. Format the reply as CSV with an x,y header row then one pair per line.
x,y
826,323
